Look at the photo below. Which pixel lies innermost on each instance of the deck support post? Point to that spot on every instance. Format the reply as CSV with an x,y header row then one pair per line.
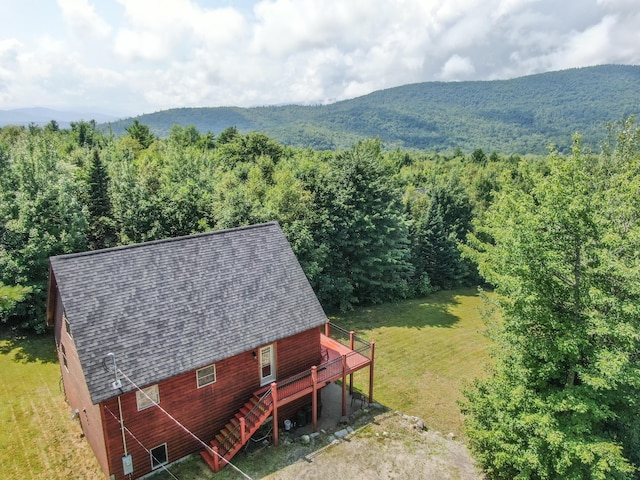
x,y
351,343
326,329
274,398
314,398
373,349
344,385
243,431
216,457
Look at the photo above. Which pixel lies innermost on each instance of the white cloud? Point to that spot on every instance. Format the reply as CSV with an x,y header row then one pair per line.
x,y
147,55
132,45
83,19
589,47
457,68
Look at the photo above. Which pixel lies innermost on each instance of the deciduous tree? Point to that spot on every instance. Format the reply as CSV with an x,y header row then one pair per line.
x,y
564,257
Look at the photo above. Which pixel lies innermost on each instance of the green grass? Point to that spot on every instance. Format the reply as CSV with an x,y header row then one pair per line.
x,y
37,439
426,350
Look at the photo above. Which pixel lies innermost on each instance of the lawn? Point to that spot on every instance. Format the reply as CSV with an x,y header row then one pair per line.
x,y
38,440
426,350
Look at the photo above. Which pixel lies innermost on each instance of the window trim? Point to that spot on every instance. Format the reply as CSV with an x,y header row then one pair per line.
x,y
67,326
153,391
215,375
157,465
65,362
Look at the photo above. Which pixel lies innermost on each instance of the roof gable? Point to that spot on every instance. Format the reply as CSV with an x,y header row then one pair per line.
x,y
168,307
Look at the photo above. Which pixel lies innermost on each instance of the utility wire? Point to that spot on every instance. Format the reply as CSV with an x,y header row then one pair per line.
x,y
207,447
139,442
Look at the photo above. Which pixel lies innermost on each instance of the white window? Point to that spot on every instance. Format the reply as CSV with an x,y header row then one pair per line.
x,y
159,456
206,375
267,364
148,397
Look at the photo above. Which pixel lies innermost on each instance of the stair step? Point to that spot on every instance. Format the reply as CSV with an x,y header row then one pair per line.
x,y
231,431
229,439
225,442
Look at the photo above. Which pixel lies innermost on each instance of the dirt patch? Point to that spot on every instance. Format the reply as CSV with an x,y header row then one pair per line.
x,y
384,445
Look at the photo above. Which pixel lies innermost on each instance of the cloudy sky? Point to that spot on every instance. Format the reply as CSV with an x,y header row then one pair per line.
x,y
129,57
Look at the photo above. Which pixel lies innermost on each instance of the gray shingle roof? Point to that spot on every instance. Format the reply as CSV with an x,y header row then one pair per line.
x,y
168,307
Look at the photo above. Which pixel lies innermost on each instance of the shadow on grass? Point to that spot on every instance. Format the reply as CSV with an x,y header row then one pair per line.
x,y
434,310
27,347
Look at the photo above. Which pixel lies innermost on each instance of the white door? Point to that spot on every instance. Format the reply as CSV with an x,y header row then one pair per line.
x,y
267,364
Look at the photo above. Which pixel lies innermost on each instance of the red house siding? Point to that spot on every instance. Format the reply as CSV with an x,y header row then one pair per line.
x,y
204,411
76,391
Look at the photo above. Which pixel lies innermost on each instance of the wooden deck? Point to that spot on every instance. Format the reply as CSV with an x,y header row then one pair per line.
x,y
335,349
340,358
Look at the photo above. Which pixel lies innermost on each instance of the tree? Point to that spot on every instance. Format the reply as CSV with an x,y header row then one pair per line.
x,y
141,133
84,133
40,216
440,217
478,156
9,296
101,232
364,231
563,255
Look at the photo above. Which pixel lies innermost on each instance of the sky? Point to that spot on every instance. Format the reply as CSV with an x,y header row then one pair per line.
x,y
129,57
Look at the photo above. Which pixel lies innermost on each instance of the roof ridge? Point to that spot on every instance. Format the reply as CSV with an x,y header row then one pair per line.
x,y
164,240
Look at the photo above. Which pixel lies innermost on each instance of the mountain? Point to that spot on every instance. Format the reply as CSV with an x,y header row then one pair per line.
x,y
42,116
521,115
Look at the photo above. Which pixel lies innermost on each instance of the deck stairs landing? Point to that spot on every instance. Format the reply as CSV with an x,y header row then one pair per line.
x,y
238,431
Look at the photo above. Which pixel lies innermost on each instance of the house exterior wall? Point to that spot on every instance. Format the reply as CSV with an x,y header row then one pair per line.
x,y
204,411
76,391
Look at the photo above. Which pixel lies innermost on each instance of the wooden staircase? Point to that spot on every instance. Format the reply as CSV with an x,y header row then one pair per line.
x,y
238,431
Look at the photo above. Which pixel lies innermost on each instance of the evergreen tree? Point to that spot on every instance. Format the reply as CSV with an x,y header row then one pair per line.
x,y
365,233
101,231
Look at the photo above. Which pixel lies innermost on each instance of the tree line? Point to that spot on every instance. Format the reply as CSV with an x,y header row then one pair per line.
x,y
367,225
556,238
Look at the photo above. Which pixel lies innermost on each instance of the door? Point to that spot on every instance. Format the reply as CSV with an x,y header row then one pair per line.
x,y
267,364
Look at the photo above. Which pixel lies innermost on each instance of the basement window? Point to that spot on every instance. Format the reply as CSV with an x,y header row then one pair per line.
x,y
64,356
159,456
148,397
67,327
206,375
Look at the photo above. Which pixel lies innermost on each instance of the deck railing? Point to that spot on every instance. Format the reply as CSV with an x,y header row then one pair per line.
x,y
329,370
348,339
294,384
256,412
239,432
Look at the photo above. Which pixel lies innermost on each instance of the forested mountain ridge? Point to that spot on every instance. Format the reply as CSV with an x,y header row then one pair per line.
x,y
521,115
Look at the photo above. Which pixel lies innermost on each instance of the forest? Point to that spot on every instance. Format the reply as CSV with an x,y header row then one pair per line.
x,y
554,237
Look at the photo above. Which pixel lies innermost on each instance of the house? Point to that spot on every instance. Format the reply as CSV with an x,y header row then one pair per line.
x,y
186,345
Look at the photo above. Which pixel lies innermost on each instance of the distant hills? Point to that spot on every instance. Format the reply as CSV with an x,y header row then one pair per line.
x,y
521,115
42,116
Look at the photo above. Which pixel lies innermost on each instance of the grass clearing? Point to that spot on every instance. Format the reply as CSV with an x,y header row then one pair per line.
x,y
426,349
38,440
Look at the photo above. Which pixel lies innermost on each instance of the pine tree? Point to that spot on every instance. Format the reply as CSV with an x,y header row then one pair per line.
x,y
101,231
